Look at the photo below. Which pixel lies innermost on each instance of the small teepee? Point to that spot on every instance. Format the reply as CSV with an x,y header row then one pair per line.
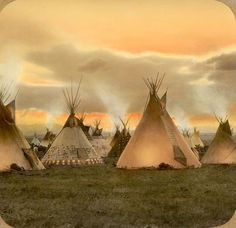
x,y
97,132
120,140
14,148
196,140
187,137
35,141
116,136
222,150
71,146
99,142
156,140
47,139
85,128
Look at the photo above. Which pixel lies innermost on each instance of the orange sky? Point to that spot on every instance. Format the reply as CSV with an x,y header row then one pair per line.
x,y
170,27
167,26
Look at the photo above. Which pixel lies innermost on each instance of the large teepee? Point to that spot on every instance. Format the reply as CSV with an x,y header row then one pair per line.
x,y
14,148
222,150
71,145
156,139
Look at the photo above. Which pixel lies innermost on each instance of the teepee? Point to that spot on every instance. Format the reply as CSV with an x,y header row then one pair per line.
x,y
156,140
116,136
85,128
187,137
196,140
71,146
120,140
35,141
97,132
222,150
99,142
47,139
14,148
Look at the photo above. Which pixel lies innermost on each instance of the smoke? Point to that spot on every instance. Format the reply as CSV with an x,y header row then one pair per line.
x,y
10,72
116,107
52,114
211,101
180,117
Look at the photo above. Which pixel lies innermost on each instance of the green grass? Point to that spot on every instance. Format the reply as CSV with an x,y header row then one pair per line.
x,y
108,197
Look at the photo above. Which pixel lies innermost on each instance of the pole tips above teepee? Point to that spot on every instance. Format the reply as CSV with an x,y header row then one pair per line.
x,y
72,97
154,83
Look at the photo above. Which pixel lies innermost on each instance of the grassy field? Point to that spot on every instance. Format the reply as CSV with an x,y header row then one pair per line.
x,y
107,197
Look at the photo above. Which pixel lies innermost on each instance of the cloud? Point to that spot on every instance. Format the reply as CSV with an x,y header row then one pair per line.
x,y
19,34
108,74
225,62
113,82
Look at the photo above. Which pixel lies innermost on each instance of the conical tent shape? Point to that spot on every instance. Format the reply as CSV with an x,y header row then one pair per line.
x,y
115,137
164,100
35,141
120,142
97,131
222,150
99,142
187,137
32,157
71,143
85,128
11,107
195,139
156,139
14,149
47,139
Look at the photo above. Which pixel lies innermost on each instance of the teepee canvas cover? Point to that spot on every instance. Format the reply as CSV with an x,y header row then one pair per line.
x,y
97,132
115,137
71,146
47,139
120,140
35,141
187,137
156,139
195,139
14,149
85,128
98,141
222,150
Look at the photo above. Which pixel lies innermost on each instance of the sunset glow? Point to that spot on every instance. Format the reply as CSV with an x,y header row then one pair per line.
x,y
114,45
